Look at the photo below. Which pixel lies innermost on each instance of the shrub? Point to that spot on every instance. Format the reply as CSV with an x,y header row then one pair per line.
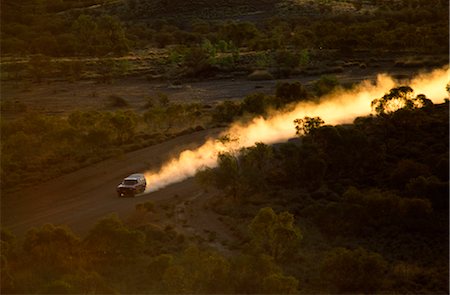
x,y
255,104
117,101
408,169
260,75
354,271
289,92
325,85
226,112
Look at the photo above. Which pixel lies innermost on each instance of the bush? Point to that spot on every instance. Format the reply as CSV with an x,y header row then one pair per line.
x,y
255,104
325,85
226,112
117,101
290,92
260,75
354,271
406,170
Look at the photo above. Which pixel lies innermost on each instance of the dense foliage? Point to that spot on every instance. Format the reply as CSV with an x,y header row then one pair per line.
x,y
118,257
55,28
371,198
37,147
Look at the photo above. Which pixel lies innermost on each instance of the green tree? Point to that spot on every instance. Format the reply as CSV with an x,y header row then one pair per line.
x,y
275,234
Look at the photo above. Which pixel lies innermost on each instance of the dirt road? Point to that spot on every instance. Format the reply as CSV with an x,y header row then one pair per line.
x,y
80,198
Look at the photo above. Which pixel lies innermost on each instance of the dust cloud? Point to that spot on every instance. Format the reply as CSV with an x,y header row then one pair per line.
x,y
340,107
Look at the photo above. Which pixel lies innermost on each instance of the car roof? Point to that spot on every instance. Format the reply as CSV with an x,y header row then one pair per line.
x,y
135,176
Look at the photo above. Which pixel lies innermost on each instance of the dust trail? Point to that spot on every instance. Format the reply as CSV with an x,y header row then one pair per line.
x,y
340,107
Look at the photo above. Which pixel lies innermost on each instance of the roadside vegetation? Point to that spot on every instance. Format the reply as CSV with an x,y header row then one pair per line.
x,y
370,198
356,208
36,146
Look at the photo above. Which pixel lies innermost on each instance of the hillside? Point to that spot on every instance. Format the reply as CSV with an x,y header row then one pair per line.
x,y
284,148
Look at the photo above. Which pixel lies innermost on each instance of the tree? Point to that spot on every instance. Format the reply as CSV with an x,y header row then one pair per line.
x,y
280,284
399,98
405,170
228,175
259,274
285,62
197,271
110,241
226,112
45,44
255,103
85,28
290,92
314,169
111,36
325,85
39,67
307,125
275,234
353,271
256,166
52,250
124,123
198,61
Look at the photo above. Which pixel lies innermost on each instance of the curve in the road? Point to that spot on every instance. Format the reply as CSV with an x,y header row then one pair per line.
x,y
80,198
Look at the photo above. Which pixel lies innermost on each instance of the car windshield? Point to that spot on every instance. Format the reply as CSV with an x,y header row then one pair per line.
x,y
129,181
